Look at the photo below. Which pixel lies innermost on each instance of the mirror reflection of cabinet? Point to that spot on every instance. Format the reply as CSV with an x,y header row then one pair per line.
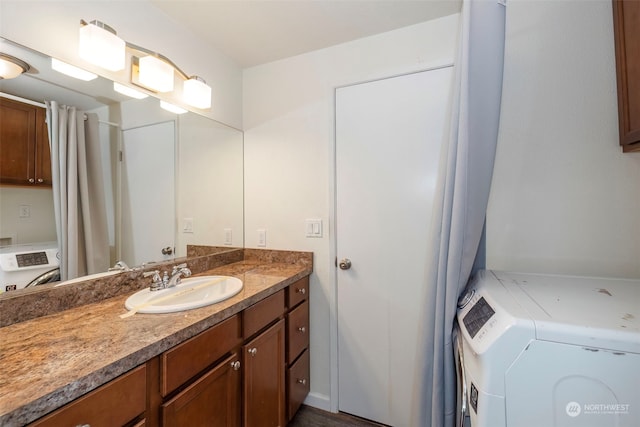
x,y
626,24
24,144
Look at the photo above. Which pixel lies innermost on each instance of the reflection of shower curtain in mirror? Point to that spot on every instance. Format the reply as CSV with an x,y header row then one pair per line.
x,y
78,191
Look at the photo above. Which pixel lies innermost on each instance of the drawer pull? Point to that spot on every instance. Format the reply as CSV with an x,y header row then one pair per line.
x,y
302,381
302,329
235,365
253,351
301,291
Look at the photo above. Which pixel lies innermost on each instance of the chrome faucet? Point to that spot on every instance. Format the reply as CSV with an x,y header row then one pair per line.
x,y
177,273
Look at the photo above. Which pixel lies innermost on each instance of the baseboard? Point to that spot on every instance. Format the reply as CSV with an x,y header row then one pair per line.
x,y
319,401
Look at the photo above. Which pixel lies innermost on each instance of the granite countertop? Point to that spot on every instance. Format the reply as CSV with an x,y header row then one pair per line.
x,y
51,360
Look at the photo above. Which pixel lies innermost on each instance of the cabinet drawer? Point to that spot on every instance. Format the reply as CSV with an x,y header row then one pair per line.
x,y
185,360
297,331
297,384
262,313
114,404
297,292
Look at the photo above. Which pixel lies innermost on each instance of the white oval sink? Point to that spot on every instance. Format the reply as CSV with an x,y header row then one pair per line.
x,y
192,293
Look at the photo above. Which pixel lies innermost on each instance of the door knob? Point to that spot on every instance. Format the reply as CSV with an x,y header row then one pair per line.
x,y
167,251
344,264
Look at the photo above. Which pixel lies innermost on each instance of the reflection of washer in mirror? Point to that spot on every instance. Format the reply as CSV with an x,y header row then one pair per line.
x,y
28,265
48,277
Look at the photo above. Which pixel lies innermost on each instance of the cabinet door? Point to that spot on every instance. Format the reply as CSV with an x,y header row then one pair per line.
x,y
42,162
212,401
17,142
264,392
626,24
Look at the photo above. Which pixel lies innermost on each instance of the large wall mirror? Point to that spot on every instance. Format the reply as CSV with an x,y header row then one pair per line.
x,y
170,179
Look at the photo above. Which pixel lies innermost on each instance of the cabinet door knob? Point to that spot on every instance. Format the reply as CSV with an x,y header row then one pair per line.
x,y
253,351
301,291
235,365
302,381
40,180
302,329
31,180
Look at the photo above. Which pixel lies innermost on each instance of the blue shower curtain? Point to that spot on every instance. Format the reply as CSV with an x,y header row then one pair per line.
x,y
459,214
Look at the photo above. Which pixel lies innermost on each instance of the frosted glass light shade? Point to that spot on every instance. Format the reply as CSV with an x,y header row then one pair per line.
x,y
125,90
102,47
172,108
72,71
11,67
155,74
197,93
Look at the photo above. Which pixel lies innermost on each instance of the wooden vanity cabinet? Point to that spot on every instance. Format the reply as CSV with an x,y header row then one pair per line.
x,y
120,402
626,26
25,156
297,324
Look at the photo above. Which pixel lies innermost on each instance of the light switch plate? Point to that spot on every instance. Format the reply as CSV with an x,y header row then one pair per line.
x,y
228,236
313,227
262,237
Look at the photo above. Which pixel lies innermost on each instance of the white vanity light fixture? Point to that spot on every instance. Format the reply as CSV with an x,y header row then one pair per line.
x,y
127,91
100,45
155,74
172,108
11,67
71,71
197,93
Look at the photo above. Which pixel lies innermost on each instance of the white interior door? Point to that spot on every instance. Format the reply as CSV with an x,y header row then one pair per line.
x,y
388,141
148,193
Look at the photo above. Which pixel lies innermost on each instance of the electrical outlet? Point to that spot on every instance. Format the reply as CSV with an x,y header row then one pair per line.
x,y
187,225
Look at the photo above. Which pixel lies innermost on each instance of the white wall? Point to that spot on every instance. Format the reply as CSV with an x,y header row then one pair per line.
x,y
51,27
564,198
39,226
210,183
289,137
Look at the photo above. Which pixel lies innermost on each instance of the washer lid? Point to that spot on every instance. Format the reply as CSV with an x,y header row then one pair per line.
x,y
591,312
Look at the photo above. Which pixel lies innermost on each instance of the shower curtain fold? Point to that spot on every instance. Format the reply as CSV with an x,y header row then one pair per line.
x,y
460,205
78,191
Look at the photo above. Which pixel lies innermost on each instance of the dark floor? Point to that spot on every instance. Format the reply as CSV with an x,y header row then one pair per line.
x,y
308,416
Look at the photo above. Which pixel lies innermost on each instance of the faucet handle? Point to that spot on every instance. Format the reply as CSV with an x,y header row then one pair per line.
x,y
151,273
179,266
157,282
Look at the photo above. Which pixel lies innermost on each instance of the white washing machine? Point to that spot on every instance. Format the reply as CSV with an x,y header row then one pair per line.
x,y
550,351
29,264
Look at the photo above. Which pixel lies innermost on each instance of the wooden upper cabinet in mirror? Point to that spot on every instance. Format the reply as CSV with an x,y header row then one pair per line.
x,y
626,25
25,157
